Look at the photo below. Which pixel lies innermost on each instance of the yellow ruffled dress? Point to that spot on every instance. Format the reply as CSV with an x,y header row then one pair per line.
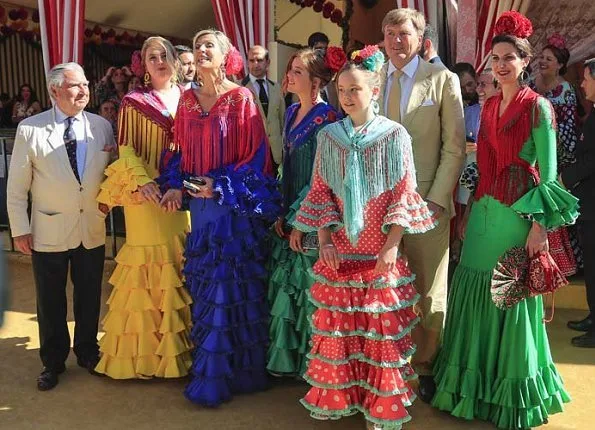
x,y
148,322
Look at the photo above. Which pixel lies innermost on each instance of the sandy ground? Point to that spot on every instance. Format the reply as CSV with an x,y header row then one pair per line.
x,y
86,402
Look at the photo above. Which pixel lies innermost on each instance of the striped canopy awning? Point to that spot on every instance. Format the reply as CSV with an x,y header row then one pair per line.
x,y
62,26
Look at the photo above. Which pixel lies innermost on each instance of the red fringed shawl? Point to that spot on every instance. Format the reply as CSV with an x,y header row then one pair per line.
x,y
232,132
146,124
503,174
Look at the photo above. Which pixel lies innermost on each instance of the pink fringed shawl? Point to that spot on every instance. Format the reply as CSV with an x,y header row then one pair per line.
x,y
230,133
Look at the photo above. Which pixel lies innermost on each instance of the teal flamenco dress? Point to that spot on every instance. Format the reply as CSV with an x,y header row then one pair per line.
x,y
496,365
290,281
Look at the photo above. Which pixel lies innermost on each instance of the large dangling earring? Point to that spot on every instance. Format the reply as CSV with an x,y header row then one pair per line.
x,y
523,77
221,76
314,95
147,79
375,107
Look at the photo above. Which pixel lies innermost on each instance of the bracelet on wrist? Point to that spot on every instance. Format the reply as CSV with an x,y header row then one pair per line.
x,y
329,245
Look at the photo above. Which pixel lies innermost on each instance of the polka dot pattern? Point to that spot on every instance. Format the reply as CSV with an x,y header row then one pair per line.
x,y
361,342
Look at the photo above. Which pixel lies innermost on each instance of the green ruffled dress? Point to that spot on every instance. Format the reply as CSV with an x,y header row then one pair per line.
x,y
496,365
290,280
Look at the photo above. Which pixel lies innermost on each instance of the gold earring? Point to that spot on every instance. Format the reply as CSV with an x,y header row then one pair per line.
x,y
147,79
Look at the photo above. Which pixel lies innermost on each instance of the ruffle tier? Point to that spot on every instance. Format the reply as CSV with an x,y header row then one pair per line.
x,y
147,325
548,204
225,275
361,344
499,368
289,329
123,179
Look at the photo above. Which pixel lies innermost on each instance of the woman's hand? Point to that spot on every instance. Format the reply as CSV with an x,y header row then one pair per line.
x,y
172,200
328,253
387,259
206,190
470,148
295,240
536,240
279,228
151,192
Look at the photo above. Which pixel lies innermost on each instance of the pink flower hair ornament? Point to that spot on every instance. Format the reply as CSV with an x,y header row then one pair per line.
x,y
136,64
557,40
234,63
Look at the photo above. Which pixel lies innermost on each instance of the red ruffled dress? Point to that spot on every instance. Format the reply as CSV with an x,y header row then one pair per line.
x,y
361,339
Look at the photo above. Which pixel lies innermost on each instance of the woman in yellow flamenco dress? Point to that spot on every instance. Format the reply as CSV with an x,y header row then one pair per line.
x,y
147,325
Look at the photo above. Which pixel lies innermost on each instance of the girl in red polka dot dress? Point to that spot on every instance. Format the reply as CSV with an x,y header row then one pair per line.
x,y
362,201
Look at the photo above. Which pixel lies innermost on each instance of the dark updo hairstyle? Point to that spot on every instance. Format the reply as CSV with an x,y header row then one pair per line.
x,y
562,55
523,47
315,65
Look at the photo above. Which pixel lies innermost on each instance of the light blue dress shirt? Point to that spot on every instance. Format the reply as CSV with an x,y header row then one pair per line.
x,y
80,131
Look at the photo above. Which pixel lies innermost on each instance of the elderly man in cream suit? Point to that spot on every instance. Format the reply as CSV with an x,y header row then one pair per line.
x,y
59,157
269,98
426,99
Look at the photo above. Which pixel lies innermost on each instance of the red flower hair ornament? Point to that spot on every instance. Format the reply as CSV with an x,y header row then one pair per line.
x,y
335,58
515,24
233,62
557,40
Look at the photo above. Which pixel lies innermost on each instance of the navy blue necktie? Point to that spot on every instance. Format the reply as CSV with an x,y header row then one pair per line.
x,y
70,143
262,96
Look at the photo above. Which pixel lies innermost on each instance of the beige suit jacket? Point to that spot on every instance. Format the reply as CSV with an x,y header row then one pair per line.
x,y
434,119
64,213
274,119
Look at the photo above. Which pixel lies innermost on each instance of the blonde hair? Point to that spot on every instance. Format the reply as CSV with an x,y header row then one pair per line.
x,y
171,57
222,40
400,16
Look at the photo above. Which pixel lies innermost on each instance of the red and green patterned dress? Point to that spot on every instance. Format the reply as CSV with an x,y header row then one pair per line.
x,y
363,183
495,364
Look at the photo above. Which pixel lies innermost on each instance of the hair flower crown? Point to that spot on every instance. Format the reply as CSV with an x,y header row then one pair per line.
x,y
557,40
370,57
513,23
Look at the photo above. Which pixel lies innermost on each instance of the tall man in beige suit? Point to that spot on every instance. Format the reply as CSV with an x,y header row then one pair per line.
x,y
268,97
426,99
59,157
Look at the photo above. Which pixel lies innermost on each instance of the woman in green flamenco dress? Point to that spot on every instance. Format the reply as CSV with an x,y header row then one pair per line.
x,y
289,283
496,365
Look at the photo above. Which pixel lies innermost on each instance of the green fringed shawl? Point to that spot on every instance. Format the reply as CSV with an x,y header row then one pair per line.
x,y
359,166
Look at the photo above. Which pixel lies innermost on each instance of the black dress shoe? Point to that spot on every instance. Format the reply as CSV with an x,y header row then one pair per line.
x,y
48,378
90,364
585,324
427,388
586,340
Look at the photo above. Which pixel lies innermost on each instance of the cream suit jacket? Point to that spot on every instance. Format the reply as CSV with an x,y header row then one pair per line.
x,y
275,117
64,213
434,119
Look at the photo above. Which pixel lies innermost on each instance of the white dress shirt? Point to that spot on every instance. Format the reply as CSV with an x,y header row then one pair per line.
x,y
80,131
407,80
257,85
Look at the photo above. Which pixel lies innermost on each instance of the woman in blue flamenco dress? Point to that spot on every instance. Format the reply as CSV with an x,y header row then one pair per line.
x,y
289,262
222,141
